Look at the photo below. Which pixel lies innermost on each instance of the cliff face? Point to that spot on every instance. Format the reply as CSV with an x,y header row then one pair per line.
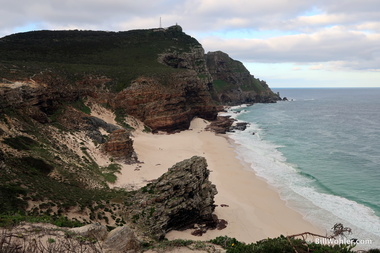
x,y
234,84
166,107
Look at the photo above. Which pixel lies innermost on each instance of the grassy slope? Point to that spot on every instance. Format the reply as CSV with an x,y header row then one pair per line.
x,y
122,56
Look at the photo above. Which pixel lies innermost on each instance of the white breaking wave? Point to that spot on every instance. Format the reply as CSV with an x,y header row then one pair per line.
x,y
298,190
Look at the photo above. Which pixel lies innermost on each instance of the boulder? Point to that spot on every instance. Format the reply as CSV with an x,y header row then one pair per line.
x,y
121,240
181,197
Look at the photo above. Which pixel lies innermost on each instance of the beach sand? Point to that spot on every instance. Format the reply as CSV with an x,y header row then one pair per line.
x,y
255,210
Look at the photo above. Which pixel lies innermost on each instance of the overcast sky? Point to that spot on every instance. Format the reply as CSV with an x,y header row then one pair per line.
x,y
288,43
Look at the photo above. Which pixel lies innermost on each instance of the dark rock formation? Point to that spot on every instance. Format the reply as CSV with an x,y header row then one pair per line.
x,y
92,128
182,196
241,126
120,146
221,125
224,124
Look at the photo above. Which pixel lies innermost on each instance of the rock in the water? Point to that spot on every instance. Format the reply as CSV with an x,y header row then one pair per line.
x,y
182,196
121,240
241,126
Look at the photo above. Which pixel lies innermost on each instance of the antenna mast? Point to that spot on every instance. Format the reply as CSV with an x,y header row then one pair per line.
x,y
160,23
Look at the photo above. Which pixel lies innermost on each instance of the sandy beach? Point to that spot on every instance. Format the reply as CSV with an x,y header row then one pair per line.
x,y
253,210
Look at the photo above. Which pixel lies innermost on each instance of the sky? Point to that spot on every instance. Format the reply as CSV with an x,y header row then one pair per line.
x,y
287,43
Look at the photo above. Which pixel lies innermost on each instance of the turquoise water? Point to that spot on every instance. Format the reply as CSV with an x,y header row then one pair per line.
x,y
322,152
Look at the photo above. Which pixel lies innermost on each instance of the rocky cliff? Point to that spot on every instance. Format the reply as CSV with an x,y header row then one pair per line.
x,y
234,84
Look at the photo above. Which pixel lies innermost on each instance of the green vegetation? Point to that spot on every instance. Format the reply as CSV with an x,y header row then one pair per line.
x,y
120,118
81,106
279,244
121,56
26,176
110,171
221,85
17,218
36,165
166,244
20,142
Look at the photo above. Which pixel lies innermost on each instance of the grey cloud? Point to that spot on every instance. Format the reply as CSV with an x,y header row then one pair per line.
x,y
96,13
325,46
337,33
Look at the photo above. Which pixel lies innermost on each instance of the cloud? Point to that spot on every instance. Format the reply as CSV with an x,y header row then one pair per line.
x,y
297,31
317,67
330,44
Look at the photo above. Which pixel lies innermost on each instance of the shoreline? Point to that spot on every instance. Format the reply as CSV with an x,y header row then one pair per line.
x,y
252,208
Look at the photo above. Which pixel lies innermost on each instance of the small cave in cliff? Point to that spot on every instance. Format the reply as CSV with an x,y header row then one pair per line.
x,y
183,219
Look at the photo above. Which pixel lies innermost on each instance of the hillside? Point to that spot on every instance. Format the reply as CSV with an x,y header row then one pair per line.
x,y
70,103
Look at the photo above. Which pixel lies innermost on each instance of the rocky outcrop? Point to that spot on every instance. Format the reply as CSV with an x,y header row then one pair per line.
x,y
46,94
120,146
193,60
224,124
182,196
234,84
93,126
168,107
221,125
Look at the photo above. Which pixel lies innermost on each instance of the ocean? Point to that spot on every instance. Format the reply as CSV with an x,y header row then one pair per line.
x,y
321,151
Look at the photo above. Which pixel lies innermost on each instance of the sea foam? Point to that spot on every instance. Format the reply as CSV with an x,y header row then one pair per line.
x,y
300,190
